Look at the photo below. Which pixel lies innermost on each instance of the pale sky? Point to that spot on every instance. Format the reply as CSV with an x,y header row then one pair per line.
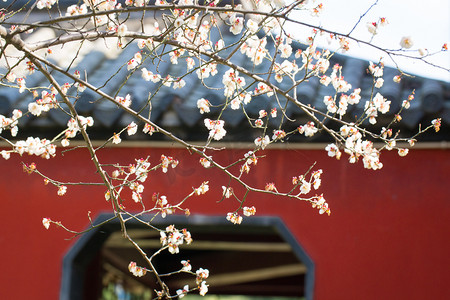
x,y
426,22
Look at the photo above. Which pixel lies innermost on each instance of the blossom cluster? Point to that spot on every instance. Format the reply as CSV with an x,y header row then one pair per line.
x,y
73,127
11,123
355,147
163,205
250,158
378,104
201,274
232,82
44,104
305,185
167,161
215,127
373,27
202,189
35,146
321,205
235,218
173,238
136,270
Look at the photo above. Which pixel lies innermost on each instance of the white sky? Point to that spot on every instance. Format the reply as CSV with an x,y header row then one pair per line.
x,y
427,22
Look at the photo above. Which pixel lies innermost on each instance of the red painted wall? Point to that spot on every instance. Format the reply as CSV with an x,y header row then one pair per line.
x,y
387,236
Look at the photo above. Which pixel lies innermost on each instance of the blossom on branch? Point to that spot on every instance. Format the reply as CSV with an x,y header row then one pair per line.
x,y
136,270
249,211
62,190
234,218
406,42
46,222
203,105
216,130
204,187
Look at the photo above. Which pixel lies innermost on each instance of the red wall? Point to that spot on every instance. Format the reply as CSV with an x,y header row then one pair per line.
x,y
387,236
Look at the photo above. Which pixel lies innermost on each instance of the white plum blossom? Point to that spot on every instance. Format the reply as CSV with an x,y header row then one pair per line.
x,y
403,151
321,205
330,103
136,270
322,65
62,190
173,238
376,70
203,105
41,4
235,103
205,162
136,3
232,82
406,42
166,161
227,192
252,26
423,51
273,112
381,103
46,222
305,188
122,29
317,181
178,84
116,139
36,146
278,135
237,24
73,127
397,78
285,49
65,142
5,154
372,27
132,128
136,197
220,44
21,84
204,187
203,289
333,150
75,10
182,292
135,61
187,267
262,141
216,130
149,76
234,218
258,123
379,83
124,101
35,109
354,97
309,129
201,275
149,129
249,211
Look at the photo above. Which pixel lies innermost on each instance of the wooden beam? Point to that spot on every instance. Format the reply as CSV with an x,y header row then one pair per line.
x,y
206,245
256,275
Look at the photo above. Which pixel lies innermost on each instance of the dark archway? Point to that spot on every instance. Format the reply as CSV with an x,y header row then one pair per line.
x,y
258,257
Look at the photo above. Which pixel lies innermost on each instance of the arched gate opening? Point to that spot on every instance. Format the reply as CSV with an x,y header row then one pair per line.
x,y
257,258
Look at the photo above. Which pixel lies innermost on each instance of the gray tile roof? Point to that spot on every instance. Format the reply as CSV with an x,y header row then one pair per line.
x,y
177,109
